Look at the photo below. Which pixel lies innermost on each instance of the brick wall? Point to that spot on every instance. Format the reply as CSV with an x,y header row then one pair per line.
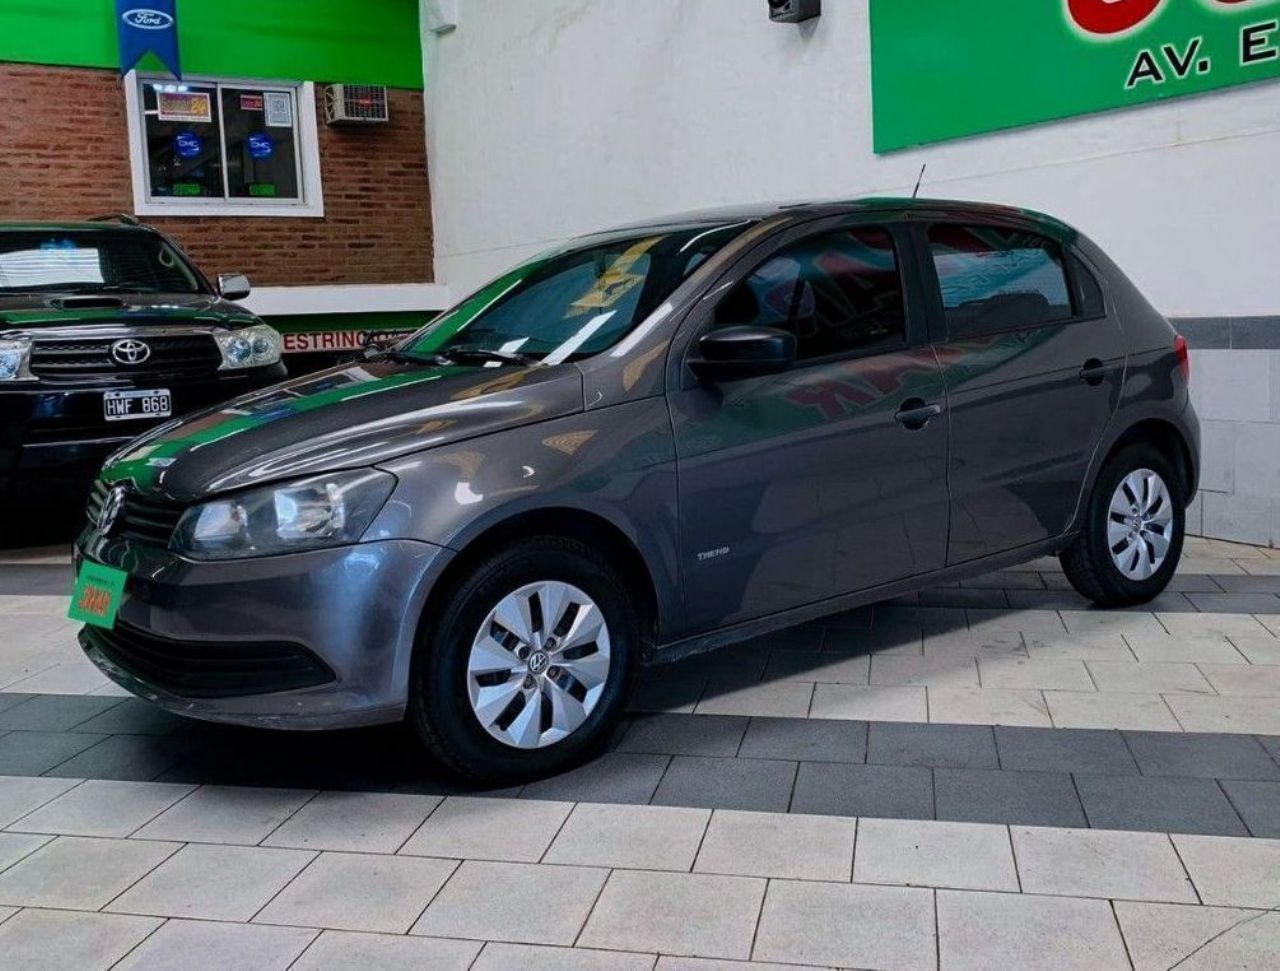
x,y
64,154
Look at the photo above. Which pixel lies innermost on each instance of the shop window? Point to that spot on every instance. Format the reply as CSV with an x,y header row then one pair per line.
x,y
208,147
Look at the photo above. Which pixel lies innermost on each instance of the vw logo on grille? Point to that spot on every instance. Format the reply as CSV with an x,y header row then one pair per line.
x,y
109,514
130,351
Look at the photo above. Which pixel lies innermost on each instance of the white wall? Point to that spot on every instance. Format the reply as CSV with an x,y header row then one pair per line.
x,y
548,118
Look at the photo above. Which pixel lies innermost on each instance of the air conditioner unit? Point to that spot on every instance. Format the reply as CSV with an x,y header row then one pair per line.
x,y
350,104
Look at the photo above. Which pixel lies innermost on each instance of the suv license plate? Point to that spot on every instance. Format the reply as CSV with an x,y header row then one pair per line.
x,y
124,405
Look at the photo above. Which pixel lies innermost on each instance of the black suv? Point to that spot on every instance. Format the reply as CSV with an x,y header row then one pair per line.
x,y
107,329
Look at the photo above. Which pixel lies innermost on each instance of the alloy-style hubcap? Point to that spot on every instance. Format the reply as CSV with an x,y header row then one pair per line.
x,y
1140,524
538,664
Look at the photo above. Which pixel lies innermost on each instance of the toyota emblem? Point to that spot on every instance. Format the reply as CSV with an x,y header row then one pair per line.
x,y
110,511
130,351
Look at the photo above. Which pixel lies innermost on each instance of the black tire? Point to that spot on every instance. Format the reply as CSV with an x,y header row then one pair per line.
x,y
1088,563
440,709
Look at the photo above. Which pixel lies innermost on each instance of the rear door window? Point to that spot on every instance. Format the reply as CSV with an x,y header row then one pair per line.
x,y
997,279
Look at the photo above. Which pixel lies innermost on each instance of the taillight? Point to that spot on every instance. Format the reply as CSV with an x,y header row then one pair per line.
x,y
1184,358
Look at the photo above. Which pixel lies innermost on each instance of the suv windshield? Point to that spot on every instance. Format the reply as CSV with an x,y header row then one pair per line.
x,y
92,261
573,302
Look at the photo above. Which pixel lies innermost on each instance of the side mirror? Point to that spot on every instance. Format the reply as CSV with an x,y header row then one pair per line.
x,y
233,286
743,352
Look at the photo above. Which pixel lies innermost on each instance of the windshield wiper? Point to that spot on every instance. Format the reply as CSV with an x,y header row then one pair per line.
x,y
469,352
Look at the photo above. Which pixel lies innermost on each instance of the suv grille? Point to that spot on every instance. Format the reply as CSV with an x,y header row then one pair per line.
x,y
144,519
209,669
180,356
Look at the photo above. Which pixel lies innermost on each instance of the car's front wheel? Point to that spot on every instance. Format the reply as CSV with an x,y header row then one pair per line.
x,y
1133,529
526,669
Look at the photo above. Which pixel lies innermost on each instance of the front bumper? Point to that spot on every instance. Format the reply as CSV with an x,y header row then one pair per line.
x,y
354,609
58,427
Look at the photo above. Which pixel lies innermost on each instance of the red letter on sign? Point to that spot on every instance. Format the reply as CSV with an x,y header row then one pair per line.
x,y
1110,16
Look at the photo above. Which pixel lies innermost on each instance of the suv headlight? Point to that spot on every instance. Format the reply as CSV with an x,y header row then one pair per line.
x,y
312,513
255,346
15,354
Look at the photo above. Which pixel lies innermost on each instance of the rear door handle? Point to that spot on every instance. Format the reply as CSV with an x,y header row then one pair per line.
x,y
1093,372
915,414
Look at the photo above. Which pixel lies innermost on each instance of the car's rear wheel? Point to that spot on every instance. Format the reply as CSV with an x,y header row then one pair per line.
x,y
1133,529
527,667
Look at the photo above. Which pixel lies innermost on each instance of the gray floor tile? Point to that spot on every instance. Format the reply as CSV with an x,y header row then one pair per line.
x,y
676,913
620,777
518,902
54,713
1024,798
516,830
965,597
1158,804
20,795
16,846
1205,755
359,892
344,950
893,792
357,822
34,753
79,873
226,814
968,856
137,758
1236,603
684,735
1232,872
634,837
762,784
847,925
539,957
1164,936
1272,744
133,716
53,939
99,807
794,846
941,745
1064,750
805,740
1101,863
213,882
11,698
1258,804
180,943
978,931
1248,584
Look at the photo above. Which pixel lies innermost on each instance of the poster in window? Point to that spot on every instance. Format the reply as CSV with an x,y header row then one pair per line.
x,y
250,102
194,107
261,146
278,106
187,144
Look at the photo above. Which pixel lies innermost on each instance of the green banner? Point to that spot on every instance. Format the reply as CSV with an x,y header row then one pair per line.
x,y
350,41
948,68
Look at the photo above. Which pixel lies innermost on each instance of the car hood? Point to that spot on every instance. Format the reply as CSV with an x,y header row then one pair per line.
x,y
346,417
33,311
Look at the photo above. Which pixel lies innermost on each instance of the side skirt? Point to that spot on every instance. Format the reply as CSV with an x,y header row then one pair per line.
x,y
709,641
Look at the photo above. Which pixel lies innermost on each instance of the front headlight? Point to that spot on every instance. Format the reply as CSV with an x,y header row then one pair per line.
x,y
255,346
325,510
15,354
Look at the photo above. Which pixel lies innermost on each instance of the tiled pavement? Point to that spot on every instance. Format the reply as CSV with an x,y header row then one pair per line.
x,y
987,775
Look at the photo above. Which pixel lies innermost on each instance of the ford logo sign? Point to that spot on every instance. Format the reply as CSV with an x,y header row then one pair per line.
x,y
144,18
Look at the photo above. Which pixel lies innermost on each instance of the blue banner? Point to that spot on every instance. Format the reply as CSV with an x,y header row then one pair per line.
x,y
148,26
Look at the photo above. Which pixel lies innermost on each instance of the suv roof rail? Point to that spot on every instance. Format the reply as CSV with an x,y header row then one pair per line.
x,y
116,217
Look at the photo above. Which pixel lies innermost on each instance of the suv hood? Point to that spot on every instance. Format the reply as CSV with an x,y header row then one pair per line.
x,y
33,311
345,417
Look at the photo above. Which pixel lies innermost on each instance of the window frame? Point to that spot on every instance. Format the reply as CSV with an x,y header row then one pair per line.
x,y
307,161
914,333
932,283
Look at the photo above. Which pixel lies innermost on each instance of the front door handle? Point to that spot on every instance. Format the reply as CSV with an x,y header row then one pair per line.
x,y
1093,372
915,413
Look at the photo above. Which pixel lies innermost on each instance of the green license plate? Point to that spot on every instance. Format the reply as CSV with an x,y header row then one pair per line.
x,y
97,595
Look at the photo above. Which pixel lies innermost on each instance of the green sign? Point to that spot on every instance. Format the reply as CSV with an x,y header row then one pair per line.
x,y
97,594
283,40
945,69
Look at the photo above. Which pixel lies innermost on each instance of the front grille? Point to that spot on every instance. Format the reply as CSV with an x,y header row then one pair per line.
x,y
144,519
209,669
179,356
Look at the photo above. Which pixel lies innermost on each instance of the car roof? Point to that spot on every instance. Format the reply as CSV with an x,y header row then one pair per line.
x,y
834,207
97,225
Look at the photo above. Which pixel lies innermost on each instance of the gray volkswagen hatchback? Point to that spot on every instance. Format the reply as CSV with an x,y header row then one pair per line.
x,y
646,443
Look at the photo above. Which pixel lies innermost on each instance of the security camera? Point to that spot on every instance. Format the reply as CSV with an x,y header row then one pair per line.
x,y
794,11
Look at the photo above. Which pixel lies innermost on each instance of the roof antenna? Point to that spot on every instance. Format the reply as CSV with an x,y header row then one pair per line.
x,y
916,192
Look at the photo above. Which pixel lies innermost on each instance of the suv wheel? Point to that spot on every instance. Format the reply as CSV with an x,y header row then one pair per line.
x,y
1133,530
527,668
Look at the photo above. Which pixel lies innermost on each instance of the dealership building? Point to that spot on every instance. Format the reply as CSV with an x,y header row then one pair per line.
x,y
1151,125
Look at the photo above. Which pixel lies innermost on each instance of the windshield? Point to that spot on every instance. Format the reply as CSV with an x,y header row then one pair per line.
x,y
92,261
574,302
